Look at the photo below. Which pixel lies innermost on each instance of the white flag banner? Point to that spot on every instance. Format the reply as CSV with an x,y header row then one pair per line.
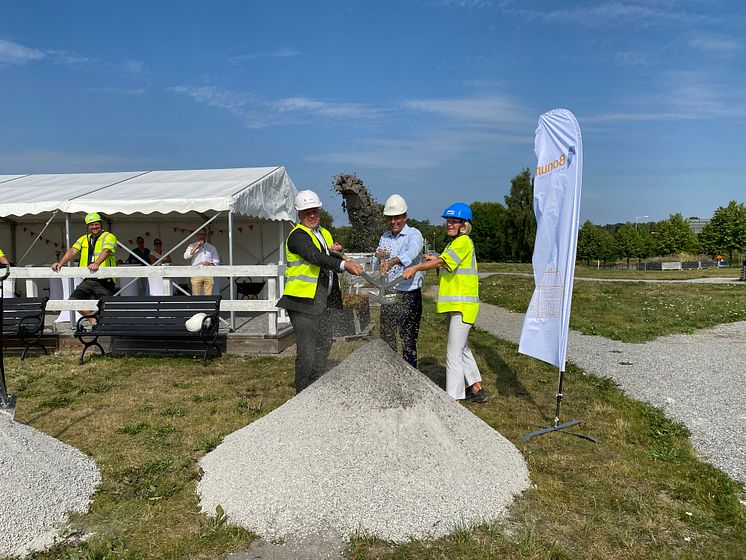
x,y
557,184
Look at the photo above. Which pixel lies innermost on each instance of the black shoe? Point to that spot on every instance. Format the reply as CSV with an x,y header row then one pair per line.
x,y
477,396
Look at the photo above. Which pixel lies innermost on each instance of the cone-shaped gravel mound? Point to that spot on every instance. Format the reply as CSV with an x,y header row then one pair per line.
x,y
373,447
41,481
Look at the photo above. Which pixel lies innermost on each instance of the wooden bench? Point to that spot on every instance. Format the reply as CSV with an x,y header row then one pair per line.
x,y
152,317
24,318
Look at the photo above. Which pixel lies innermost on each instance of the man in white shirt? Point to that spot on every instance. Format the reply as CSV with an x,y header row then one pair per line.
x,y
400,247
202,253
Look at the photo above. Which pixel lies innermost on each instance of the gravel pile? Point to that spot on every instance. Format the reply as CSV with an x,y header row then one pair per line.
x,y
41,481
697,379
373,447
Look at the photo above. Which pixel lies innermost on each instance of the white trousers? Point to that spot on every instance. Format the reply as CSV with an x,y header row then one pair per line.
x,y
461,368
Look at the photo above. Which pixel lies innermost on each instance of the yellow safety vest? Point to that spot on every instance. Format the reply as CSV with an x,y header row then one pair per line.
x,y
302,277
105,241
459,282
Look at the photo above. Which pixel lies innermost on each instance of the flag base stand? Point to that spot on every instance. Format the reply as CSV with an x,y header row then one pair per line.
x,y
556,426
560,427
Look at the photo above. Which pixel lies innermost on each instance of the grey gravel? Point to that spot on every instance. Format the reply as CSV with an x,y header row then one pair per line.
x,y
374,448
697,379
41,481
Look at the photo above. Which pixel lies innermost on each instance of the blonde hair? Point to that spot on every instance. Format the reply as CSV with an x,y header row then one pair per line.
x,y
465,228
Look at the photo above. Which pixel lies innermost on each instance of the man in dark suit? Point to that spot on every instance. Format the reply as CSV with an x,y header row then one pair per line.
x,y
312,288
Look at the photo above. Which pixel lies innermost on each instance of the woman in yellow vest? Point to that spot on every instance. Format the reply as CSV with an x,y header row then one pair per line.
x,y
458,298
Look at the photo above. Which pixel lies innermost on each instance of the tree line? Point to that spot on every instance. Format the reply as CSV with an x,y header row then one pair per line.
x,y
724,234
506,232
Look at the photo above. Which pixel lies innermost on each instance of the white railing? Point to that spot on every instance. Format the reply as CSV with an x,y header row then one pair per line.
x,y
272,274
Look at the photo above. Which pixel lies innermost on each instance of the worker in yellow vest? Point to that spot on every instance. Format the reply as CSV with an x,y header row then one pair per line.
x,y
96,249
3,258
458,298
312,288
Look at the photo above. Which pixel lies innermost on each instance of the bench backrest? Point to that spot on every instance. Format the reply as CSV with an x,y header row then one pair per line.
x,y
153,312
24,313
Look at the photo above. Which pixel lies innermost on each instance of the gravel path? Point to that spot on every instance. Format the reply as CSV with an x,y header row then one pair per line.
x,y
696,379
373,447
41,481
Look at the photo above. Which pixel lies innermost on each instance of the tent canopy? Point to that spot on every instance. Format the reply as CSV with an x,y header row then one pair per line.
x,y
261,192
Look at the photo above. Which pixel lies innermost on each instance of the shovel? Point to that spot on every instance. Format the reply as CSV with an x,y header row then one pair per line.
x,y
7,402
379,295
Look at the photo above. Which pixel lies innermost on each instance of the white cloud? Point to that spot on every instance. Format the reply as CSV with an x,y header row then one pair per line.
x,y
633,58
117,91
469,4
134,67
323,108
232,101
285,52
683,96
16,54
718,44
614,14
426,152
257,113
483,111
68,59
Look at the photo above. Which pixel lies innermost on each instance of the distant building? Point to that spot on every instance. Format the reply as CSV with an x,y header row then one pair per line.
x,y
697,224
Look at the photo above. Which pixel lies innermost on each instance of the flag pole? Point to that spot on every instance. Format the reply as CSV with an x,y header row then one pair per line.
x,y
556,425
557,185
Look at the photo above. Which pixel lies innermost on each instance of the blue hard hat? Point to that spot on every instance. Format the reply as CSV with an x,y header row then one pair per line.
x,y
459,211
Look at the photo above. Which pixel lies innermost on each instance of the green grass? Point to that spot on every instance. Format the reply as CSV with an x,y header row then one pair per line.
x,y
630,311
591,272
639,493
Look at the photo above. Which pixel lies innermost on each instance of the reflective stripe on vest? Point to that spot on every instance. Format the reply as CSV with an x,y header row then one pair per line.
x,y
302,277
469,299
459,288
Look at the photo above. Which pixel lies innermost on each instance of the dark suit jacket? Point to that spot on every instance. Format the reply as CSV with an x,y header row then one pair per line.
x,y
300,243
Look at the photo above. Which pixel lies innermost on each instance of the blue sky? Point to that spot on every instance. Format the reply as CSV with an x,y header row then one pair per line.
x,y
434,99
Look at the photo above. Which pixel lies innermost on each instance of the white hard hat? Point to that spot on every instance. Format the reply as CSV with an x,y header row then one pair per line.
x,y
307,199
395,206
194,323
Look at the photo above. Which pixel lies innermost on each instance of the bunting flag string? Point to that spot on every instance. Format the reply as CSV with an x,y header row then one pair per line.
x,y
246,228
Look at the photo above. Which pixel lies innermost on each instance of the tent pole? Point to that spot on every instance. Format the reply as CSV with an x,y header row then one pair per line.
x,y
230,261
69,281
49,221
281,263
13,241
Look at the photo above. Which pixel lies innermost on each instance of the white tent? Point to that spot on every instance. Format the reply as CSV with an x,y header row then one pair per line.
x,y
262,192
165,204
